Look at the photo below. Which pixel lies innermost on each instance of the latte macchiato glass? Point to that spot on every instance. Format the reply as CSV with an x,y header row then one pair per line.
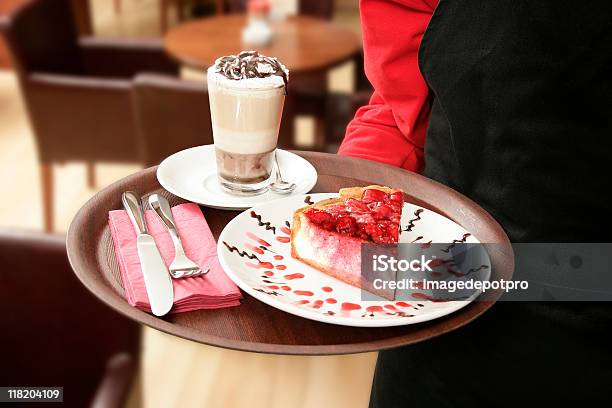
x,y
247,93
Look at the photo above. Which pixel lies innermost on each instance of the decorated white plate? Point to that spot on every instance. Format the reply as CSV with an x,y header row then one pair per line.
x,y
255,251
192,174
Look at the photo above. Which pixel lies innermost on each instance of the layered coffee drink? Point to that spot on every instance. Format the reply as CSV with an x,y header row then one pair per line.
x,y
247,93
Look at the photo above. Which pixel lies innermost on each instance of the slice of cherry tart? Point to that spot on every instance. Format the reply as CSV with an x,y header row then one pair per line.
x,y
327,235
374,217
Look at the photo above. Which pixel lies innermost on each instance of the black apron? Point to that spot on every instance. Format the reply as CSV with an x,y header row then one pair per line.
x,y
521,124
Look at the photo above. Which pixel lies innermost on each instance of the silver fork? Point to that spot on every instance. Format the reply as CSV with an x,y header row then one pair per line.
x,y
181,266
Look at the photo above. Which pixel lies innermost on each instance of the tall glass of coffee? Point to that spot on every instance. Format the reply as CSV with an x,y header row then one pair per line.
x,y
247,93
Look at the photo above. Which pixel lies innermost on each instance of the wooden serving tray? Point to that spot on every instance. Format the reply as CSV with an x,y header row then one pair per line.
x,y
255,326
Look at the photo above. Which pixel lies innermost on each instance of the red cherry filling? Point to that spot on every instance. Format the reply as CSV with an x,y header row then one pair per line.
x,y
346,224
381,211
398,197
372,194
318,217
353,205
375,217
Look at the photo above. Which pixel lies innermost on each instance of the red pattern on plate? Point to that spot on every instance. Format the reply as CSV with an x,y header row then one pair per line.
x,y
257,239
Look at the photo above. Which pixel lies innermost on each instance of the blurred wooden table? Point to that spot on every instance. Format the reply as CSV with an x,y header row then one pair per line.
x,y
302,43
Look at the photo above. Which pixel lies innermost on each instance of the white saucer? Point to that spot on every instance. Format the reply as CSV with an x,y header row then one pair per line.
x,y
191,174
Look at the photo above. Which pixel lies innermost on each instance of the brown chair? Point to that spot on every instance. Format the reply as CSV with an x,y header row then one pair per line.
x,y
54,332
77,90
173,114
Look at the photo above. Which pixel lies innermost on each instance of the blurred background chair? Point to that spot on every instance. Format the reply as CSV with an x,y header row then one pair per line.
x,y
77,90
54,332
171,114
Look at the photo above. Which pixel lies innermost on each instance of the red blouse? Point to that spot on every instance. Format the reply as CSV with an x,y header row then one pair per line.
x,y
391,128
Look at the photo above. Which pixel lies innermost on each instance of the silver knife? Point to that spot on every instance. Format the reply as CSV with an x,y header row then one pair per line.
x,y
156,277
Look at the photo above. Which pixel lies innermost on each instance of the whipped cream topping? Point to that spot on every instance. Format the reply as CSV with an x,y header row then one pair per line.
x,y
251,65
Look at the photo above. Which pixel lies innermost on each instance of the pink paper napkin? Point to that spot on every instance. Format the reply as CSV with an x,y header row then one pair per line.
x,y
211,291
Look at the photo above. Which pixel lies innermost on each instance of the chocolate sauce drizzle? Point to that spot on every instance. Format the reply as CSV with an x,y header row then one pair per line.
x,y
417,214
455,242
460,274
251,64
263,224
308,201
267,280
265,248
273,293
426,245
473,270
242,254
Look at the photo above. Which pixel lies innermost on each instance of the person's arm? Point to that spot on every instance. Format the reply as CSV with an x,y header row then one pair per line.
x,y
391,128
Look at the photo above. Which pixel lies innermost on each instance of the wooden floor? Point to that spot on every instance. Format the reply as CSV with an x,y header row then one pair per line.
x,y
174,372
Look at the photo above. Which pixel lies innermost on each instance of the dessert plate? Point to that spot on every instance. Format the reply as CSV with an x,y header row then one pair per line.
x,y
192,174
255,251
